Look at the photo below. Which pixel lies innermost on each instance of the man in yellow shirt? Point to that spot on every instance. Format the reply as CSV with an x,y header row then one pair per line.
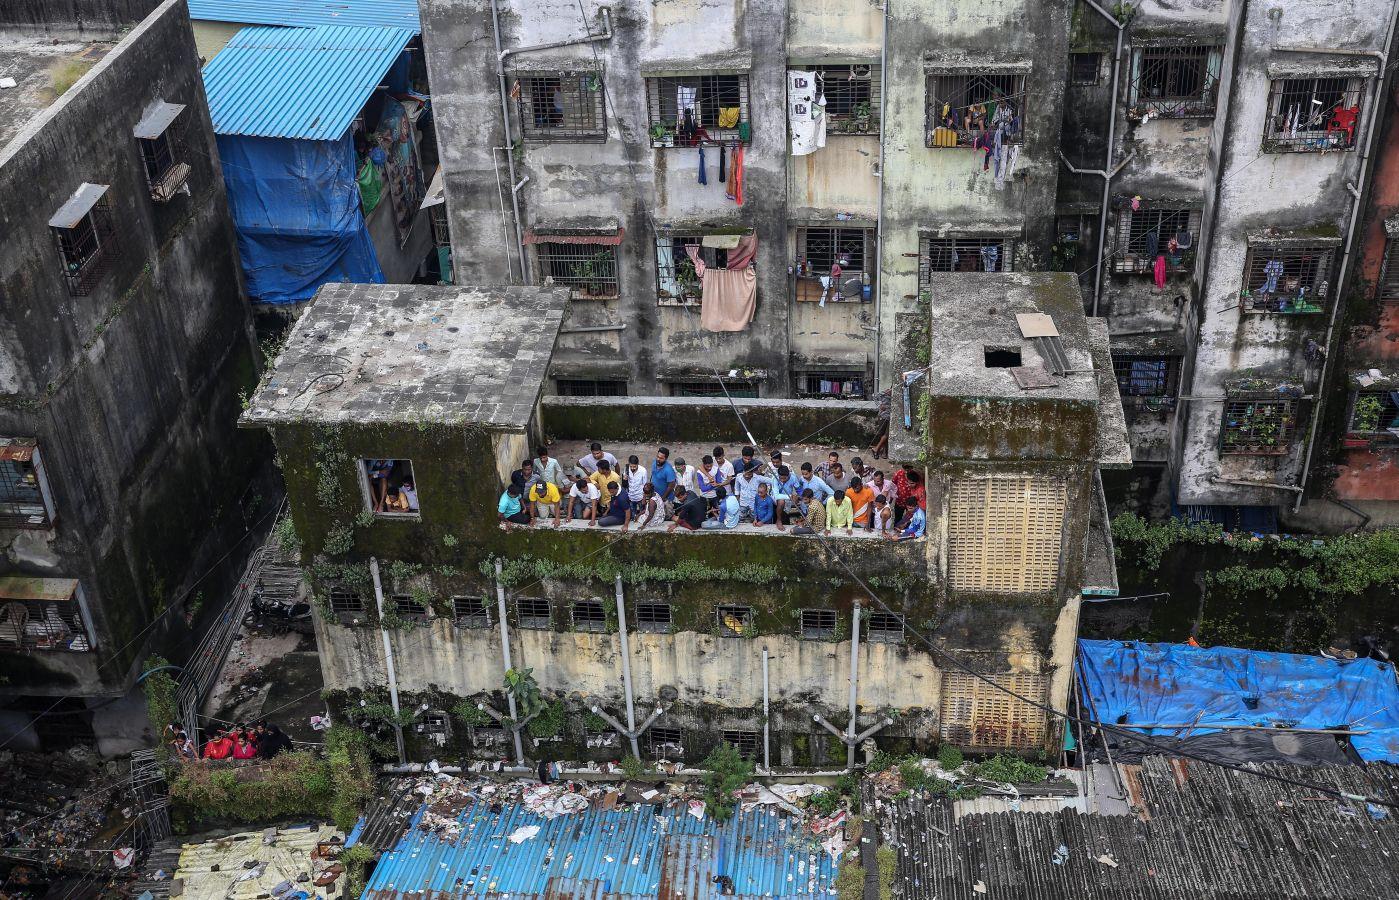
x,y
602,477
544,496
839,513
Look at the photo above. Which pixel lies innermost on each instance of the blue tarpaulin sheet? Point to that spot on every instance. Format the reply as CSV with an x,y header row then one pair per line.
x,y
1172,684
295,205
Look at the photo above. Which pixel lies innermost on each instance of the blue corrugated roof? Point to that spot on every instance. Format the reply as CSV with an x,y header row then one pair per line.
x,y
306,83
310,13
623,853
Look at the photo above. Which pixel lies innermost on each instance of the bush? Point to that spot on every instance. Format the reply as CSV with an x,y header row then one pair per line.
x,y
825,803
549,723
161,706
635,768
911,771
356,859
351,773
1010,769
726,773
289,785
881,761
950,758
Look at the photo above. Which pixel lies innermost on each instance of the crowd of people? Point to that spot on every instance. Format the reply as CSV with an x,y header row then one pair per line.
x,y
719,493
239,742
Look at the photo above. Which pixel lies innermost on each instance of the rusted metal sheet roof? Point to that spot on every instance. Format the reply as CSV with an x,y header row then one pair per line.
x,y
563,237
18,449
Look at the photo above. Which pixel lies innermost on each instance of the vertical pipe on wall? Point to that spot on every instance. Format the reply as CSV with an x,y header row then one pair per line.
x,y
767,759
505,655
388,658
626,668
1107,157
879,214
854,688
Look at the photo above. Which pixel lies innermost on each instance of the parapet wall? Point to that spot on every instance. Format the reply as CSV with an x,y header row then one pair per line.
x,y
74,16
678,419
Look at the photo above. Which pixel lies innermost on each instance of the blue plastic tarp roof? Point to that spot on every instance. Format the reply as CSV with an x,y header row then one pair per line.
x,y
1172,684
310,13
625,852
306,83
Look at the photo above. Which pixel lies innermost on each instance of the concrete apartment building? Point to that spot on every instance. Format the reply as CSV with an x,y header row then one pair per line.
x,y
125,343
680,640
1180,134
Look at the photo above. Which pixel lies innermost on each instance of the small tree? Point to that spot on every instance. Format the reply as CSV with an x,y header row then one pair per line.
x,y
522,686
727,772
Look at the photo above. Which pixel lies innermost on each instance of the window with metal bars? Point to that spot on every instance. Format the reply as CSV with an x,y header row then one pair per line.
x,y
589,270
967,253
1312,114
23,492
1146,376
734,621
818,624
409,607
161,156
852,97
745,742
687,110
661,741
472,612
962,108
1257,427
819,250
532,612
344,601
43,624
589,615
1375,413
1286,279
884,628
87,248
1085,68
1174,82
1388,289
677,282
654,618
1148,232
711,388
562,106
590,387
844,385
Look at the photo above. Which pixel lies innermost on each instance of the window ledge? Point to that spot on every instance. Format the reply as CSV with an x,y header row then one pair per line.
x,y
398,517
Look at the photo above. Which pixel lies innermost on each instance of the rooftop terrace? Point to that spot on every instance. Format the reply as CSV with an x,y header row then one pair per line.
x,y
39,65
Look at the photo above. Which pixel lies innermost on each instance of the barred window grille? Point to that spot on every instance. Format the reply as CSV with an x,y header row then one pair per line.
x,y
1085,68
1258,427
409,607
472,612
745,742
562,106
162,158
1389,272
653,618
843,385
22,493
1145,376
532,612
967,253
1004,534
677,282
852,98
1175,82
590,387
589,270
1287,279
963,107
686,110
1375,412
711,388
978,716
1146,233
664,742
87,249
47,624
1312,114
734,621
589,615
344,601
818,249
884,628
818,624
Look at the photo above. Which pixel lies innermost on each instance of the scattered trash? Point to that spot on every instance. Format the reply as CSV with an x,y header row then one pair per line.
x,y
1061,855
523,833
1107,860
1378,813
979,887
123,857
8,83
697,809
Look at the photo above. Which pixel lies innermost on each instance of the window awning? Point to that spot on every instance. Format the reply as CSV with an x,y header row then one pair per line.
x,y
78,205
18,450
961,64
610,239
436,190
18,587
155,122
1310,66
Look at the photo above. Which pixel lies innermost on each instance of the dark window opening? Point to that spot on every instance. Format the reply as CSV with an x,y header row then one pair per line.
x,y
1258,427
1312,114
1389,272
160,137
963,108
532,612
664,743
1145,376
1084,67
588,270
818,624
589,615
389,487
686,110
885,628
590,387
744,389
734,621
820,251
22,488
1175,81
1292,280
962,254
409,607
345,602
1148,232
654,618
31,623
472,612
563,106
852,98
745,742
87,246
1375,412
845,385
1001,357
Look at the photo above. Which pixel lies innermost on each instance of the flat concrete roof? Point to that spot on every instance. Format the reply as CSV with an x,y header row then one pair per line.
x,y
398,353
33,60
973,312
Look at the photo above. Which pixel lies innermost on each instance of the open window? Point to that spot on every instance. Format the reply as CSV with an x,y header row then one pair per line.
x,y
745,742
654,618
733,621
590,387
1374,416
1288,278
590,272
1312,114
589,615
1085,68
1258,427
1151,378
963,253
822,252
710,388
966,107
533,612
25,500
664,742
841,385
1174,82
159,136
818,624
406,606
687,110
677,280
346,604
1153,231
82,229
884,628
852,97
44,614
388,487
561,106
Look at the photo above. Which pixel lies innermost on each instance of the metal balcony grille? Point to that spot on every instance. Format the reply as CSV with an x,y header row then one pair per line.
x,y
710,388
42,625
962,254
676,281
1312,114
562,106
1085,68
664,742
21,495
1257,427
986,717
590,387
1004,534
589,271
1291,280
1175,82
961,107
1145,233
1389,272
818,249
845,385
1144,376
686,110
1375,412
852,98
745,742
87,248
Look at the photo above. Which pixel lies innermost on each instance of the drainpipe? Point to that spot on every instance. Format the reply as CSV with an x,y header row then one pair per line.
x,y
501,56
505,653
854,688
1107,156
388,658
879,215
767,761
1371,120
626,668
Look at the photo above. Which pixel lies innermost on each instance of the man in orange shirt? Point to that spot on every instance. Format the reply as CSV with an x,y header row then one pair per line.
x,y
861,501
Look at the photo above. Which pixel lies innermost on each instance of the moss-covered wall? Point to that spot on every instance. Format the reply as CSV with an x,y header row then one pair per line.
x,y
1011,428
680,419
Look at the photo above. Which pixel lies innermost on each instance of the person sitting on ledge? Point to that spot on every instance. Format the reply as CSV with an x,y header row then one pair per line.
x,y
511,509
244,744
838,479
765,508
883,516
650,511
787,493
914,529
746,486
725,515
619,507
219,746
725,468
589,461
839,513
690,510
544,500
813,517
823,470
524,476
604,476
582,501
818,486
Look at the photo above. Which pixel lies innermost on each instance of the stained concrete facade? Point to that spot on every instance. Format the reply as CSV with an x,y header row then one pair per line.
x,y
128,388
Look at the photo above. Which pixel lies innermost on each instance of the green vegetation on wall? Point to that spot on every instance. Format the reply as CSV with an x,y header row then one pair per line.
x,y
161,706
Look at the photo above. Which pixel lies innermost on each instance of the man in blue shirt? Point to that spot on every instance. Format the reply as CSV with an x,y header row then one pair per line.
x,y
511,510
765,508
821,491
915,527
619,511
787,493
663,476
726,515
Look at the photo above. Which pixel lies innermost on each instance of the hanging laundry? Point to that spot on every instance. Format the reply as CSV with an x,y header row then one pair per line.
x,y
1272,271
728,116
1012,156
989,256
685,102
703,178
805,113
825,289
729,299
723,165
1153,242
743,252
1158,272
735,192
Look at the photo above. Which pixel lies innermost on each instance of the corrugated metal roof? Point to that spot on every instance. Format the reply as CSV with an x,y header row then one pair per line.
x,y
306,83
310,13
618,854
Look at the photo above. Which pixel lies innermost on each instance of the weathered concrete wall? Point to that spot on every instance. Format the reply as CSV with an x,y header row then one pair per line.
x,y
132,391
97,17
679,419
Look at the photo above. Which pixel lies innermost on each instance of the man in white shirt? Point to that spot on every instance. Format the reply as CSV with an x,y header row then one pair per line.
x,y
684,478
582,501
726,468
746,487
588,462
636,478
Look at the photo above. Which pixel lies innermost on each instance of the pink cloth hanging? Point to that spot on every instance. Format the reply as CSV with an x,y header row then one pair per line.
x,y
729,299
1158,272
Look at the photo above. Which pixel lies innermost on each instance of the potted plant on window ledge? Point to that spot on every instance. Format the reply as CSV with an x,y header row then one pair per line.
x,y
862,118
1365,421
689,281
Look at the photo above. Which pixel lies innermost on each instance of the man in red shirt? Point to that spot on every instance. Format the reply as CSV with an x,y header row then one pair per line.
x,y
219,746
